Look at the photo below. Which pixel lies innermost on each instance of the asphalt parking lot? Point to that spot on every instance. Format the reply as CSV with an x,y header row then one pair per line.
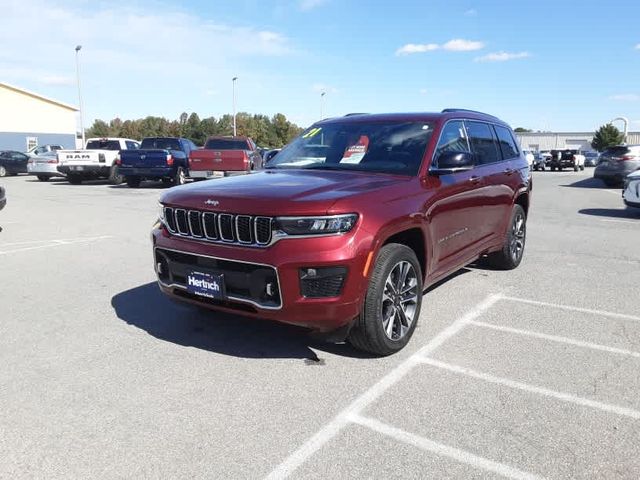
x,y
533,373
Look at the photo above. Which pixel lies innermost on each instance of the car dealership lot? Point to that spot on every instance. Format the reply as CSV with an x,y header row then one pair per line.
x,y
529,373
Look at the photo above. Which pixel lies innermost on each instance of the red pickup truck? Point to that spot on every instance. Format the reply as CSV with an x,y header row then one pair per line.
x,y
224,157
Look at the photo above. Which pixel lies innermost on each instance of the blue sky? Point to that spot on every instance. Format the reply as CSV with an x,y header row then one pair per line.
x,y
562,65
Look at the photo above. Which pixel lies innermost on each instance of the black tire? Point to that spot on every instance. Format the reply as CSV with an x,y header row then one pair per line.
x,y
576,168
535,167
581,168
506,258
553,169
180,178
43,178
114,177
543,168
368,332
133,182
74,179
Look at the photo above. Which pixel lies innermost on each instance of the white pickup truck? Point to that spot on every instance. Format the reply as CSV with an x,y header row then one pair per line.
x,y
97,160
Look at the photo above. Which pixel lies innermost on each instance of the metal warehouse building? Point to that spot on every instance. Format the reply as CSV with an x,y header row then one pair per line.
x,y
551,140
28,119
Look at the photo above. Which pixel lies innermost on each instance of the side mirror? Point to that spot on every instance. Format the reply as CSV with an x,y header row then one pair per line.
x,y
453,162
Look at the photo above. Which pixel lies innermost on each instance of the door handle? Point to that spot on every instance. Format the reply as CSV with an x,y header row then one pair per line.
x,y
475,179
508,171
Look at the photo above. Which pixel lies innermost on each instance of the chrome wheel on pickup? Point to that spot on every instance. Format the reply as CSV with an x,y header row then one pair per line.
x,y
392,304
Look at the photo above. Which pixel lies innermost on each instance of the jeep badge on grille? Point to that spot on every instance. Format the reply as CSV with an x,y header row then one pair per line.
x,y
215,203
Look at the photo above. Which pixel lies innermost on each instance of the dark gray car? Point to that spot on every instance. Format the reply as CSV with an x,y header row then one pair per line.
x,y
616,163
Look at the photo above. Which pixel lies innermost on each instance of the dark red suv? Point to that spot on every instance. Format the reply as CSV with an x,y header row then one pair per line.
x,y
350,223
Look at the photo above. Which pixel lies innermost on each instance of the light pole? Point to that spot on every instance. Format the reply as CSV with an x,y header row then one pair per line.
x,y
78,48
233,82
322,104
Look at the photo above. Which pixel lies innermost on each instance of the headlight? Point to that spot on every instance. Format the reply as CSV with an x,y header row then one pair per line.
x,y
323,225
161,212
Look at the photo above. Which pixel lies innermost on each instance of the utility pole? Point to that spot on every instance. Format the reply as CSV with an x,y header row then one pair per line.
x,y
78,48
233,82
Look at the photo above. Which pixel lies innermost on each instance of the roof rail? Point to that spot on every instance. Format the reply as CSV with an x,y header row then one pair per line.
x,y
450,110
355,113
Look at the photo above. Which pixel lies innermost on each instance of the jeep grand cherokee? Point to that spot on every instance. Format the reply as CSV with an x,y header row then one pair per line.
x,y
350,223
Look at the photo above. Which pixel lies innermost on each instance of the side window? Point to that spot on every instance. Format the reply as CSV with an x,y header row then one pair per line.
x,y
483,145
507,143
132,145
453,138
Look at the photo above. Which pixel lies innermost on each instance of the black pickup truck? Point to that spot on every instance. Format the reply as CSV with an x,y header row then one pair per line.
x,y
159,158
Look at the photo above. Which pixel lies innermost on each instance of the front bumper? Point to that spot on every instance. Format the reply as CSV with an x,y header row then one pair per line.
x,y
279,264
215,173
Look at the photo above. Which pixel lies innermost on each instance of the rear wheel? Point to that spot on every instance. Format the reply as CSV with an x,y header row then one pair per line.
x,y
3,171
114,177
392,304
74,179
133,182
581,167
180,178
43,178
510,256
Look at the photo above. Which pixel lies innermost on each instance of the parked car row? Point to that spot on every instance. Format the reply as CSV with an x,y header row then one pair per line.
x,y
169,159
560,159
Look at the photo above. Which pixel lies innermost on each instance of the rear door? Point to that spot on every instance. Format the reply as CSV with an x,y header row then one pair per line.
x,y
454,214
495,172
19,162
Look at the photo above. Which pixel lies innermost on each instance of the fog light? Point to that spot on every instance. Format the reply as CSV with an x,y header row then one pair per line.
x,y
319,282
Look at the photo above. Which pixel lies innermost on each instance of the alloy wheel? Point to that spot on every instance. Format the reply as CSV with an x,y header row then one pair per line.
x,y
518,233
399,300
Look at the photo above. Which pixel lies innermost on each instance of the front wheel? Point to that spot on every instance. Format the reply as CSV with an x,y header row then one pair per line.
x,y
43,178
74,179
180,178
392,304
510,256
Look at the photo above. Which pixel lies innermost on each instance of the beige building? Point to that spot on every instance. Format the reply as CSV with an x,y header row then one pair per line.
x,y
28,119
552,140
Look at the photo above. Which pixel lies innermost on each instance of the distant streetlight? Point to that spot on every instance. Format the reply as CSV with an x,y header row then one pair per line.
x,y
233,82
625,122
78,48
322,104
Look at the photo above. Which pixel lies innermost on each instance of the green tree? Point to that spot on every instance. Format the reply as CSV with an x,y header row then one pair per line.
x,y
522,130
98,129
606,136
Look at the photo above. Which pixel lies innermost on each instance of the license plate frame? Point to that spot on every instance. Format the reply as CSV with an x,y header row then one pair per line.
x,y
206,284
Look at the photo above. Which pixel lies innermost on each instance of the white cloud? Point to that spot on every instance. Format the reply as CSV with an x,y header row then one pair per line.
x,y
472,12
455,45
306,5
637,47
502,57
625,97
460,45
410,48
423,91
57,80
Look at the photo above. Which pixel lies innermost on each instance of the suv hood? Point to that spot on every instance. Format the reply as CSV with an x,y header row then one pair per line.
x,y
635,174
287,192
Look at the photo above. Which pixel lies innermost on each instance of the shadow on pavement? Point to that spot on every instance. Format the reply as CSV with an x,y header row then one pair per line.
x,y
147,308
612,212
589,183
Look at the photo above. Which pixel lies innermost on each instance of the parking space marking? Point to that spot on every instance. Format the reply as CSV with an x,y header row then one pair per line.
x,y
556,338
331,429
55,243
610,220
565,397
603,313
428,445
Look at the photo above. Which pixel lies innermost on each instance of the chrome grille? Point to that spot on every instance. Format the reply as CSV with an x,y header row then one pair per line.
x,y
219,227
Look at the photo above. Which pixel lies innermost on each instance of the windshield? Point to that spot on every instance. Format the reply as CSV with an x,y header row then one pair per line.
x,y
389,147
160,143
103,145
226,144
616,151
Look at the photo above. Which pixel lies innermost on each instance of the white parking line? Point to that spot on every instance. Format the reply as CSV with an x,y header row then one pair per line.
x,y
565,397
610,220
556,338
428,445
331,429
603,313
55,243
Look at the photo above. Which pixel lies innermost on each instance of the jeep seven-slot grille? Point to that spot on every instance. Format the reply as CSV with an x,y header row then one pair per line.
x,y
219,227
